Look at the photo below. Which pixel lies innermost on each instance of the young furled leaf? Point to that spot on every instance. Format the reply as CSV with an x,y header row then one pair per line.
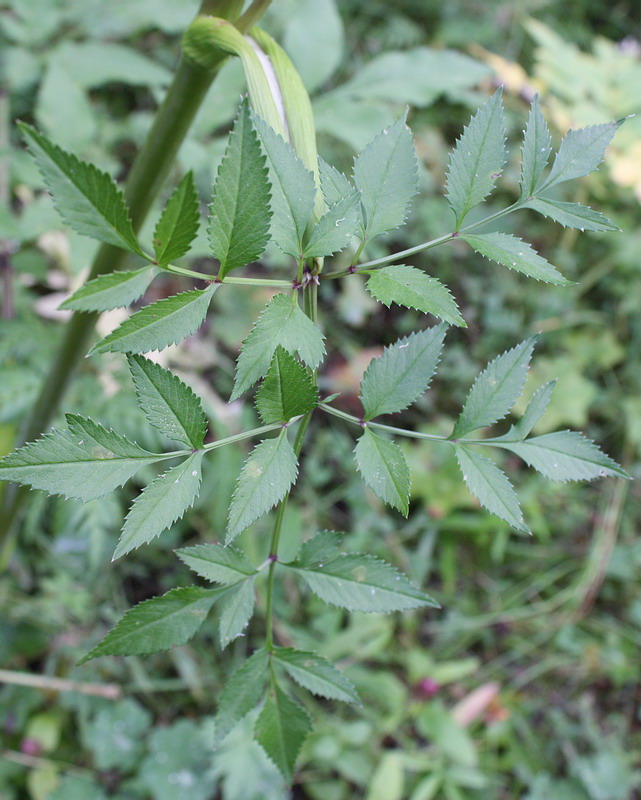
x,y
266,477
160,504
477,159
158,624
580,153
241,694
160,324
293,190
287,391
386,174
533,413
85,461
571,215
412,288
396,379
178,223
237,610
283,323
87,199
565,456
514,253
384,469
215,563
490,486
537,146
281,729
334,185
496,389
316,674
240,213
169,404
335,228
114,290
362,583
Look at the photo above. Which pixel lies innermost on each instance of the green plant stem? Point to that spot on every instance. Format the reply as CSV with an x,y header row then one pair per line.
x,y
446,237
189,273
239,437
310,305
150,169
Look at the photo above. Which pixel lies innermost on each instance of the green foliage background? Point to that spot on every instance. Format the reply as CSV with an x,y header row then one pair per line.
x,y
526,684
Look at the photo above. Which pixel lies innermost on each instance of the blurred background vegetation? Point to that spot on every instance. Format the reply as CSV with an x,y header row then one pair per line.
x,y
526,684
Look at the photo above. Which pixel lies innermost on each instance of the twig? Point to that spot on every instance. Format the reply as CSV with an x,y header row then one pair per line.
x,y
110,691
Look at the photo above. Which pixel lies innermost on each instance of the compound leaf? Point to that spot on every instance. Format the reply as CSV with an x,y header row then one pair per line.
x,y
384,469
412,288
334,185
321,547
566,456
85,461
240,213
169,404
361,582
158,624
512,252
237,610
287,391
495,389
281,729
335,228
178,223
160,324
477,159
283,323
160,504
533,413
266,477
216,563
571,215
241,693
537,146
114,290
386,174
490,486
316,674
397,378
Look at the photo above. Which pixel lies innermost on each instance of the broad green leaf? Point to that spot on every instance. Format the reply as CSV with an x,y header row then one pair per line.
x,y
319,548
85,461
533,413
386,174
283,323
396,379
335,228
293,190
361,582
496,389
512,252
566,456
240,214
412,288
316,674
216,563
160,504
241,693
537,146
334,185
281,729
169,404
571,215
87,199
580,153
158,624
384,469
237,610
114,290
287,391
178,223
490,486
266,477
160,324
477,159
